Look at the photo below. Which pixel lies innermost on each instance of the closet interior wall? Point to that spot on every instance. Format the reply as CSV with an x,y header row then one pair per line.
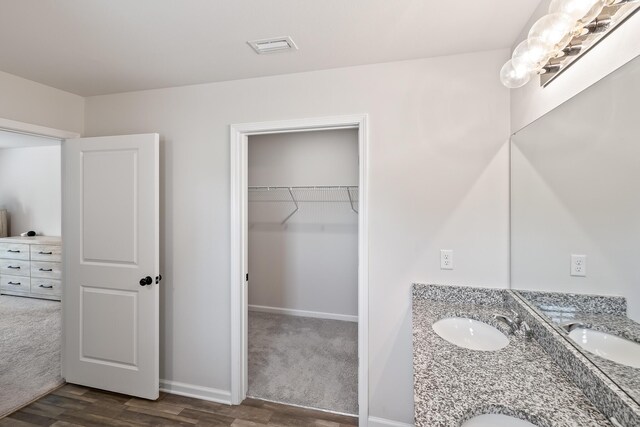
x,y
308,264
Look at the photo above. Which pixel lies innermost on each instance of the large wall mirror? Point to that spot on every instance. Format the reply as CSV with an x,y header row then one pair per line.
x,y
575,232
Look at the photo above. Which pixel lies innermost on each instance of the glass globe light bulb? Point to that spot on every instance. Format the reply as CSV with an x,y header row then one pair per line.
x,y
576,9
513,77
555,31
531,55
593,13
581,11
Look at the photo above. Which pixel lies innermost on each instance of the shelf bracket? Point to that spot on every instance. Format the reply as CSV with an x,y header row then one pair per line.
x,y
295,202
351,200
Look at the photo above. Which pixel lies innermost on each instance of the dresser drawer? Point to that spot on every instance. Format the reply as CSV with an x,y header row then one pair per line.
x,y
14,267
46,287
15,283
46,253
14,251
46,270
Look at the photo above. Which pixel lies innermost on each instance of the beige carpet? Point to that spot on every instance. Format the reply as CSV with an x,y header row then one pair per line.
x,y
304,361
30,333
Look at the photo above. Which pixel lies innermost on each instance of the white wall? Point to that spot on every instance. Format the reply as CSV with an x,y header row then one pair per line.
x,y
30,189
30,102
311,262
439,130
575,182
327,157
532,101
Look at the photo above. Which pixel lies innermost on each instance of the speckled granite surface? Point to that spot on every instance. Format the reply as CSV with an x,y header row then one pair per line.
x,y
565,304
601,313
605,394
453,384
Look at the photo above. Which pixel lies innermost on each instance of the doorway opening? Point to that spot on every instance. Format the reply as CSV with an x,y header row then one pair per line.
x,y
30,267
297,209
303,269
107,198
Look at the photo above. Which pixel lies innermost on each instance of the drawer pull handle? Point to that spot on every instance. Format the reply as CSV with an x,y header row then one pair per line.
x,y
44,269
13,267
45,253
46,286
15,283
12,251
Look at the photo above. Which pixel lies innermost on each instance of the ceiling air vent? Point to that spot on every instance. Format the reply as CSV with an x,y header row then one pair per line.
x,y
276,44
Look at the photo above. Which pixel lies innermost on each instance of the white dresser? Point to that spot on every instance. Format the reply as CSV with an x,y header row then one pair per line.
x,y
31,267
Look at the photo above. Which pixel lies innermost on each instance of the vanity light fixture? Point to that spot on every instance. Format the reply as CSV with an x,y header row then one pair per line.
x,y
557,39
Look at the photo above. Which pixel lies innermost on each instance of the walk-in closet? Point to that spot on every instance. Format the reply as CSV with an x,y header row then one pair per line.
x,y
303,268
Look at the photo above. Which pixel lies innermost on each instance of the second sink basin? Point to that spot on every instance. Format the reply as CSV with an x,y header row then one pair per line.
x,y
607,346
471,334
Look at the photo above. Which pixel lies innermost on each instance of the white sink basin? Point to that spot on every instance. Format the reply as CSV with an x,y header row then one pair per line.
x,y
495,420
608,346
470,334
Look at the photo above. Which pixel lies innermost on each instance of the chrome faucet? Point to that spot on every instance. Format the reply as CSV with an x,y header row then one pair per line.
x,y
510,322
515,324
516,318
528,332
570,326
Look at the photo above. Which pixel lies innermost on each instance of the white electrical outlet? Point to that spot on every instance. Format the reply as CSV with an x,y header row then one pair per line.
x,y
446,259
579,265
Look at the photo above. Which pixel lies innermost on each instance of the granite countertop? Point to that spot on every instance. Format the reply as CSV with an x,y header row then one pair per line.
x,y
601,313
453,384
621,326
626,377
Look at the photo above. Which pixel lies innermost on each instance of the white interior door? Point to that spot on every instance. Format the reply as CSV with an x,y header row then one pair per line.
x,y
111,248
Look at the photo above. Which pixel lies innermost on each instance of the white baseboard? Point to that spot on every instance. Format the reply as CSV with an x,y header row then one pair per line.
x,y
196,391
381,422
303,313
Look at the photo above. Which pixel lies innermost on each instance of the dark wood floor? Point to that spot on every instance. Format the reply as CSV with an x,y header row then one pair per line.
x,y
78,406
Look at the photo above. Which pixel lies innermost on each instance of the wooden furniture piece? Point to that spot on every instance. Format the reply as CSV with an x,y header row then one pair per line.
x,y
31,267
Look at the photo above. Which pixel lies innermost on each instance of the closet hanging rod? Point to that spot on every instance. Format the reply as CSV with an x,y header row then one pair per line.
x,y
293,199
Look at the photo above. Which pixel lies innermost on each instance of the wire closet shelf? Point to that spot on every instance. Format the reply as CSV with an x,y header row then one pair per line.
x,y
298,195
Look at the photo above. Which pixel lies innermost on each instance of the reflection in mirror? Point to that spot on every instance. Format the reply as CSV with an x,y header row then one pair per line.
x,y
575,212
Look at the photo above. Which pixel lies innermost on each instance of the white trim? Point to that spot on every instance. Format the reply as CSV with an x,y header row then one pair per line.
x,y
58,134
238,207
196,391
363,273
381,422
238,152
303,313
299,125
302,406
29,129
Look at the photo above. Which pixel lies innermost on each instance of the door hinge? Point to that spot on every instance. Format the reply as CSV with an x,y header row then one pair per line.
x,y
158,278
246,278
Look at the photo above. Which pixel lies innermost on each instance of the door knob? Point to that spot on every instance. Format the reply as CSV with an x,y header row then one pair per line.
x,y
146,281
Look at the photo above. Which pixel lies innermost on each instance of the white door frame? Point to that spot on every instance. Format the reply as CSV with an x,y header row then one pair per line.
x,y
239,134
36,130
59,134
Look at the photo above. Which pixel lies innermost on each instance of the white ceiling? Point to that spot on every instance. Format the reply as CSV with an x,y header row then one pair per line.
x,y
92,47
